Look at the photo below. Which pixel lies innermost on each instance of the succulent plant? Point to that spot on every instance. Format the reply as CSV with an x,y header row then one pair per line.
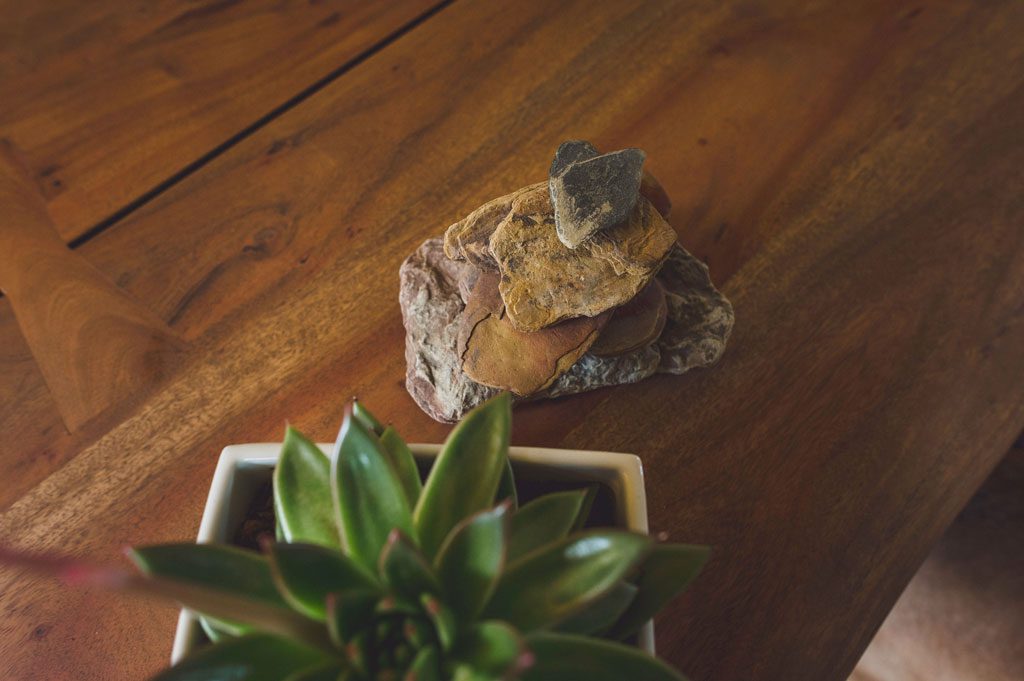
x,y
376,576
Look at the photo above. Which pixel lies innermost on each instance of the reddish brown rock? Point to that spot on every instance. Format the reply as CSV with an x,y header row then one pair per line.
x,y
634,325
431,305
496,354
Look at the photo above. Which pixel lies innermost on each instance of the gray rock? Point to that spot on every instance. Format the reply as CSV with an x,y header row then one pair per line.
x,y
700,320
592,372
571,152
593,194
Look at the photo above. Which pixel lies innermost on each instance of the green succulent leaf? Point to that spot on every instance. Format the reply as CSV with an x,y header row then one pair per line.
x,y
664,573
466,474
426,666
217,630
279,526
544,520
224,568
357,653
403,463
405,570
368,499
327,672
390,605
306,573
370,421
552,583
471,559
418,632
493,649
558,657
253,657
507,486
347,614
585,508
302,493
443,620
227,584
466,673
601,613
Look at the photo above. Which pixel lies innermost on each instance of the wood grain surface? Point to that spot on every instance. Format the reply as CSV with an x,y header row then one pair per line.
x,y
93,344
109,99
961,616
850,173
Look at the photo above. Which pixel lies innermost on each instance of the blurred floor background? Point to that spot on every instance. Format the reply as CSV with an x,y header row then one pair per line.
x,y
962,616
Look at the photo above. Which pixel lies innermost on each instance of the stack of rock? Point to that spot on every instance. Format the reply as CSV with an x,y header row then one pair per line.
x,y
561,287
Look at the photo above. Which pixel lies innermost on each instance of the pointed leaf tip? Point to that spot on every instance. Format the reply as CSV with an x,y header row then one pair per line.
x,y
664,574
302,493
357,410
544,520
466,474
367,498
555,582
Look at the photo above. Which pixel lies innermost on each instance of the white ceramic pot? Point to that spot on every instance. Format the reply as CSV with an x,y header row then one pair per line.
x,y
242,469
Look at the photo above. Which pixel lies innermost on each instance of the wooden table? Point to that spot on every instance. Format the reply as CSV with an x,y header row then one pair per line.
x,y
233,187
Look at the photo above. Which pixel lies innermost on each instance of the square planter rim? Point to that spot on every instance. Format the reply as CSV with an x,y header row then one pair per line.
x,y
622,472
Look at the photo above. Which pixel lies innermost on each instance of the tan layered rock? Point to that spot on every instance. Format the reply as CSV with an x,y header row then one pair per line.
x,y
544,282
469,238
634,325
494,353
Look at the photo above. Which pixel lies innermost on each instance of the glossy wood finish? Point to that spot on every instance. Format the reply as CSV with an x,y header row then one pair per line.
x,y
109,99
93,344
851,176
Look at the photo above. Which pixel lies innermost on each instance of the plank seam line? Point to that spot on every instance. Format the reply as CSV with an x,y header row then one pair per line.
x,y
253,127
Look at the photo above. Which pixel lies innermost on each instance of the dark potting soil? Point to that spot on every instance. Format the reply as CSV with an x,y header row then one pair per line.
x,y
259,519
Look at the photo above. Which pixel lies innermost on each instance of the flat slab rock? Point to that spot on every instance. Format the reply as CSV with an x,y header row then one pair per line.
x,y
433,294
544,282
526,362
